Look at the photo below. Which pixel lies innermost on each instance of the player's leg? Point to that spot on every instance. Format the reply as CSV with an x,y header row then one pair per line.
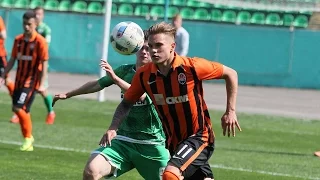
x,y
317,153
22,100
48,98
191,155
154,157
116,158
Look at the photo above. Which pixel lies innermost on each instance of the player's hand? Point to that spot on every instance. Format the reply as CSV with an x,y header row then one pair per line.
x,y
107,138
58,97
228,122
107,67
143,97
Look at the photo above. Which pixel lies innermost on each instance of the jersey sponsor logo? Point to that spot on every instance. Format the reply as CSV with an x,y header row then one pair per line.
x,y
24,57
182,79
138,103
160,100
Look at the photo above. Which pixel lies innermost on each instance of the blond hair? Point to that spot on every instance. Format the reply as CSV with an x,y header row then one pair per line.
x,y
163,28
177,16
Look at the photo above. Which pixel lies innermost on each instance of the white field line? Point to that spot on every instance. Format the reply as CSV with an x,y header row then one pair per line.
x,y
219,166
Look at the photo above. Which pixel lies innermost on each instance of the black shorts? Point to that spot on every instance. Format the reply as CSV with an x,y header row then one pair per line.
x,y
23,98
191,157
3,64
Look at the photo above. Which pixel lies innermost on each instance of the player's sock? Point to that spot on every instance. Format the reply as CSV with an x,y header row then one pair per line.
x,y
48,102
167,175
25,123
10,86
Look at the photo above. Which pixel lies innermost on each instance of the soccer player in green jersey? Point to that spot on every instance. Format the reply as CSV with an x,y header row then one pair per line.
x,y
45,31
140,142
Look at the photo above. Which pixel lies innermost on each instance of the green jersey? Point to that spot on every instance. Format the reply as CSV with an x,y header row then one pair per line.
x,y
142,125
45,31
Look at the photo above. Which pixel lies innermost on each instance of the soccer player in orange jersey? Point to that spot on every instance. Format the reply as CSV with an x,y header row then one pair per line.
x,y
174,83
3,57
30,50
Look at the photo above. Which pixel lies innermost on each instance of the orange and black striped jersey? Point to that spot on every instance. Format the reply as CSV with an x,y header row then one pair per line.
x,y
178,97
30,55
2,48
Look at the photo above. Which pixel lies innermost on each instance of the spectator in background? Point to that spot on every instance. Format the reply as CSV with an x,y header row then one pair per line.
x,y
182,36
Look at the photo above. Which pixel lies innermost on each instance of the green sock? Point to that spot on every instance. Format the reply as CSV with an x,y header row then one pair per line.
x,y
48,101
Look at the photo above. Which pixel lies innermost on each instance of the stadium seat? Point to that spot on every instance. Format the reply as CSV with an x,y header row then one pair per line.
x,y
193,3
129,1
243,17
125,9
273,19
187,13
301,21
178,2
21,3
229,16
36,3
7,3
141,10
64,5
201,14
51,5
154,2
157,11
288,19
79,6
94,7
216,15
172,11
258,18
114,9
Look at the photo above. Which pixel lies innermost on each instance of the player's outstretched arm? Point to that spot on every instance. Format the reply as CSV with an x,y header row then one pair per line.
x,y
229,119
121,112
87,88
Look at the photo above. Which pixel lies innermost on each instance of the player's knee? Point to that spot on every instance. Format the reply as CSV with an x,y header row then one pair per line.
x,y
15,109
168,175
90,173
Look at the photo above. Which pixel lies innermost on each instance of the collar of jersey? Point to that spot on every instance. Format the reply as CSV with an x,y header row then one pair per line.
x,y
177,61
33,36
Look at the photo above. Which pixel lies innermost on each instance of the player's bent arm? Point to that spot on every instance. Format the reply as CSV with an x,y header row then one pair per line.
x,y
121,112
87,88
231,78
9,66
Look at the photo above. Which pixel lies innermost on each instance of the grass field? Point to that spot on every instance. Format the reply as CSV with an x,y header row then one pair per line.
x,y
272,148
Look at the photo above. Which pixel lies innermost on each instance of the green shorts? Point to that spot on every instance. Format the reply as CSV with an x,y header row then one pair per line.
x,y
149,160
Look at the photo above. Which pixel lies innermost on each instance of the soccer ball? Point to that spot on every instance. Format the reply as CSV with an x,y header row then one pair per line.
x,y
127,38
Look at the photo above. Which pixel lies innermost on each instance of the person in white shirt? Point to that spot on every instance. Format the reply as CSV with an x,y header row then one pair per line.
x,y
182,36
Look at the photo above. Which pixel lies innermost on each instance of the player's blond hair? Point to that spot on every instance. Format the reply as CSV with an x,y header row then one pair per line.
x,y
163,28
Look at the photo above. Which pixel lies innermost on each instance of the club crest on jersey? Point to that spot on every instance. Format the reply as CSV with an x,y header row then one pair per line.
x,y
32,46
182,78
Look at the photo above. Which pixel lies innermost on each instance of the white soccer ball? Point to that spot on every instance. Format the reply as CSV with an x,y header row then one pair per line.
x,y
127,38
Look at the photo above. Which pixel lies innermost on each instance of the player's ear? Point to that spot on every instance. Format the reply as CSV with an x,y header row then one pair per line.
x,y
173,46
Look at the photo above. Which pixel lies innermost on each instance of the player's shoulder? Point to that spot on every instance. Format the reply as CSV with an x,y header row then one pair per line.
x,y
40,38
47,27
19,37
145,68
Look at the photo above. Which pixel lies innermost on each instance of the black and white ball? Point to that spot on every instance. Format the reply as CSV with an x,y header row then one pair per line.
x,y
127,38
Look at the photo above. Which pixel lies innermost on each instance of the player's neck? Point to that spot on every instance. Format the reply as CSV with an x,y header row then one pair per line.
x,y
165,67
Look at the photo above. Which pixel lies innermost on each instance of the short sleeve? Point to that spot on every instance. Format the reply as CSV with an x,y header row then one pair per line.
x,y
136,90
43,50
107,81
206,69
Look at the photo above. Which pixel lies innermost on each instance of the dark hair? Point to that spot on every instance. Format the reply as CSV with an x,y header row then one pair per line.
x,y
29,15
146,35
38,8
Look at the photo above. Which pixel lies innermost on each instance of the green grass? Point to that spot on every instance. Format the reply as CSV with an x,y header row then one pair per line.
x,y
272,148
